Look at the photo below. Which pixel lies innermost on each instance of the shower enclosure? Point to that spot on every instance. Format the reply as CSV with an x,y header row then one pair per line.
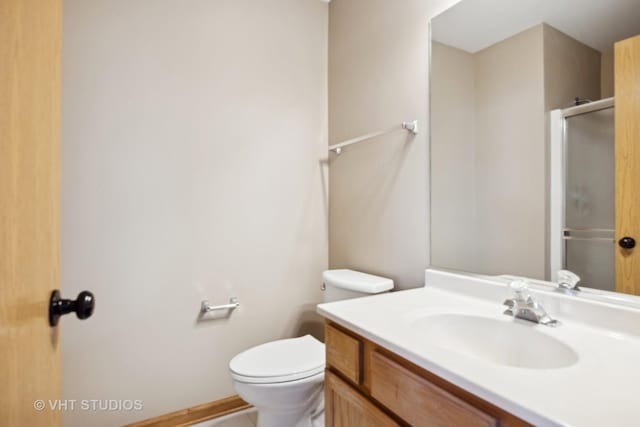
x,y
582,189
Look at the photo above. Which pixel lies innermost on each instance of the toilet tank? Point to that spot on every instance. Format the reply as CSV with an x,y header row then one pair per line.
x,y
345,284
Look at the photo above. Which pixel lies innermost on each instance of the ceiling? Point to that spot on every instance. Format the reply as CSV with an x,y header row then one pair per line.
x,y
473,25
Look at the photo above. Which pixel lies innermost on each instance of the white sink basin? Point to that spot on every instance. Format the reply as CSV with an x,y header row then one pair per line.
x,y
504,342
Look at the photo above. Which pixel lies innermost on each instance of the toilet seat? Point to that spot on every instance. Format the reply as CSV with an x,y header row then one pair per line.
x,y
279,361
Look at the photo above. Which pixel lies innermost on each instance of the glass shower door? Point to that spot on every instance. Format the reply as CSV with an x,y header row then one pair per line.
x,y
589,220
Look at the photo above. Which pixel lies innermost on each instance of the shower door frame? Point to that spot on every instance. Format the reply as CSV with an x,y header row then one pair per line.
x,y
558,178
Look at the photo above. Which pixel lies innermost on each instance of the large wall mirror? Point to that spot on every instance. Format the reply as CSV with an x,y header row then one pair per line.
x,y
522,137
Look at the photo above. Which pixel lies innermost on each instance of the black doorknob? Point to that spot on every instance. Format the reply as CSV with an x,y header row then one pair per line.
x,y
627,243
83,306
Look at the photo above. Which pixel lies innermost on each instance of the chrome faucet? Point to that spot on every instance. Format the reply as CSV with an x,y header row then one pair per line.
x,y
568,281
524,306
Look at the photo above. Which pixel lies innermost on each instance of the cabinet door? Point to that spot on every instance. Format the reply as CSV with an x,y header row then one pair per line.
x,y
418,401
346,407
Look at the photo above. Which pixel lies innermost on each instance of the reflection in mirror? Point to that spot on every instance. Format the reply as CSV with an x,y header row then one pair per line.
x,y
583,207
522,179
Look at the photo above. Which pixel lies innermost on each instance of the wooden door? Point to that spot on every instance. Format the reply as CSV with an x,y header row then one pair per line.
x,y
627,157
346,407
30,62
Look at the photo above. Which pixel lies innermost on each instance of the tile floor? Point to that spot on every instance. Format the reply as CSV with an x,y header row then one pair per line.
x,y
246,418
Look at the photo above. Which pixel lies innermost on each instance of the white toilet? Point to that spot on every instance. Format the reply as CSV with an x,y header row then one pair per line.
x,y
283,379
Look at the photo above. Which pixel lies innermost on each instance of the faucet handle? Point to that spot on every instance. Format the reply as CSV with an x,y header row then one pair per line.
x,y
520,290
568,280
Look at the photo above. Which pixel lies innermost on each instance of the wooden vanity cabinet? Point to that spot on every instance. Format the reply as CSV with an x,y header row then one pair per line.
x,y
367,385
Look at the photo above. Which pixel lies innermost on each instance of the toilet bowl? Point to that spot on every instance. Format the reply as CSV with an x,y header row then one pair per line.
x,y
284,379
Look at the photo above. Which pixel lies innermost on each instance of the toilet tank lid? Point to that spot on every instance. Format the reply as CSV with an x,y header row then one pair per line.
x,y
356,281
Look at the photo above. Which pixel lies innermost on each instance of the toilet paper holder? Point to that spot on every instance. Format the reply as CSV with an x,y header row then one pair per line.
x,y
205,307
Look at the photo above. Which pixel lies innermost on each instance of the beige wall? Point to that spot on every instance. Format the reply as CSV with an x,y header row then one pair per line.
x,y
488,156
606,74
453,147
378,74
192,134
571,68
510,156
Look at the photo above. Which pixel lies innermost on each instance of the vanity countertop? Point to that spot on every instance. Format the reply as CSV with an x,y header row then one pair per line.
x,y
599,389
